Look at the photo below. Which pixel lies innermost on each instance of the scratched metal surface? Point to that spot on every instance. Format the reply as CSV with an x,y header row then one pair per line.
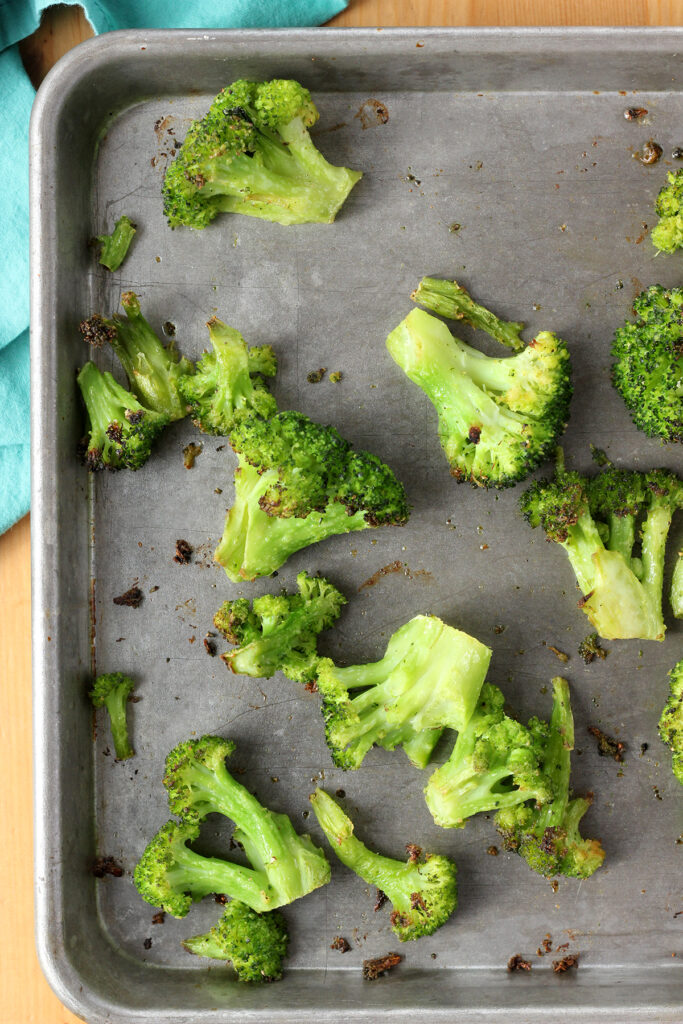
x,y
551,206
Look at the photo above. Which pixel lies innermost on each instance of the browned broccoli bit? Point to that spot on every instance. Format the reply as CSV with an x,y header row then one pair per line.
x,y
590,649
374,968
607,745
566,963
518,963
341,944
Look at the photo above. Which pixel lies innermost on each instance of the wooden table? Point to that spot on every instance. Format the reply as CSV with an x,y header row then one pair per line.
x,y
26,998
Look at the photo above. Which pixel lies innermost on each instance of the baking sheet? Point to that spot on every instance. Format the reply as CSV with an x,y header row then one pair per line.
x,y
519,137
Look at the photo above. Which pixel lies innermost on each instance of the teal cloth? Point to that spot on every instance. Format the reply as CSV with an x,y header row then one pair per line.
x,y
18,18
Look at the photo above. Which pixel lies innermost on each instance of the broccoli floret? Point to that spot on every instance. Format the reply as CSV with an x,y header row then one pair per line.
x,y
252,153
548,837
198,783
227,383
498,418
114,247
280,633
495,763
667,234
597,521
121,431
297,483
112,690
671,721
590,648
424,893
648,367
153,369
429,679
255,944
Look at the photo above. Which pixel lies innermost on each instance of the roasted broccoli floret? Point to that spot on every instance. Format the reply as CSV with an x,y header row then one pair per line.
x,y
252,153
286,866
590,648
255,944
297,483
667,234
121,431
598,522
228,382
153,369
548,837
429,679
112,691
114,247
424,893
498,418
280,632
648,367
495,763
671,721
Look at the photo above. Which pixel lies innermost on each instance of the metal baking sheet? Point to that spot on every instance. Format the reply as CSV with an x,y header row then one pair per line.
x,y
519,137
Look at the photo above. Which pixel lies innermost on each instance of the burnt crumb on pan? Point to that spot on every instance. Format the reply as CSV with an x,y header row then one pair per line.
x,y
340,793
95,331
372,112
341,944
414,852
644,747
607,745
372,969
518,963
651,152
492,851
560,655
677,153
147,944
169,329
311,686
102,866
183,552
380,899
210,647
386,570
220,897
131,599
546,946
190,453
159,917
566,963
315,376
634,113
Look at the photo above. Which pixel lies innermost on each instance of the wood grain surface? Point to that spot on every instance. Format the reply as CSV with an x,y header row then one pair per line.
x,y
26,998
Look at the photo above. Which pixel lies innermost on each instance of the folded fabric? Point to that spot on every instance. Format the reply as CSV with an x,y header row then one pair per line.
x,y
18,18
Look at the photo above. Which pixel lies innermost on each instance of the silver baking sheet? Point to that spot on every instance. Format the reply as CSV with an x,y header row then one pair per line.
x,y
519,137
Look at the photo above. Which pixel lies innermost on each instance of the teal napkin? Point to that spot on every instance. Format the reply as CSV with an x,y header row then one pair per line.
x,y
18,18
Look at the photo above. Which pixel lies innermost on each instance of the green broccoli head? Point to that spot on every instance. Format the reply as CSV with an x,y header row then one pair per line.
x,y
671,721
170,875
280,633
252,153
112,690
297,483
423,892
121,430
255,944
196,777
648,367
227,384
495,763
547,836
498,418
667,234
154,370
429,678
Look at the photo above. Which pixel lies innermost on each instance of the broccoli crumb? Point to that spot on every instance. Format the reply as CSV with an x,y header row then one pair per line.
x,y
518,963
546,946
159,917
372,969
315,376
131,599
560,655
607,746
336,376
492,851
599,455
340,944
210,647
190,453
566,963
590,649
634,113
380,899
183,552
106,866
651,153
147,944
414,852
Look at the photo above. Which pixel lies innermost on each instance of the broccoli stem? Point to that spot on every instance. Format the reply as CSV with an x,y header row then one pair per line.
x,y
115,704
204,875
419,746
105,400
677,588
583,540
556,756
655,532
451,300
115,246
622,535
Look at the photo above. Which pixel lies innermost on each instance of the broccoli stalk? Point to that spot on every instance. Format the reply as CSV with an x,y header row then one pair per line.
x,y
450,300
170,875
498,418
252,153
121,431
227,383
494,763
114,247
254,943
648,367
548,837
596,521
671,721
153,369
279,633
667,234
429,678
112,690
677,587
424,894
298,483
